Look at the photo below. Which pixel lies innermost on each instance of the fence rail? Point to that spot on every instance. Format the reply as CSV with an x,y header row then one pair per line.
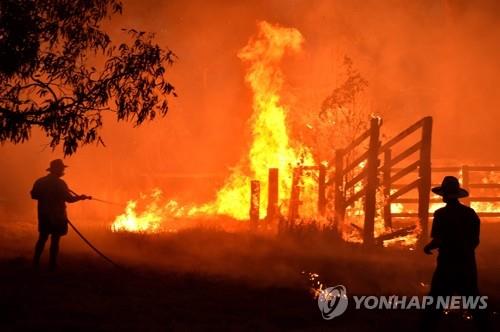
x,y
345,187
465,172
352,182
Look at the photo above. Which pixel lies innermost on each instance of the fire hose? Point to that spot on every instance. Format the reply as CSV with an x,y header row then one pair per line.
x,y
97,251
109,260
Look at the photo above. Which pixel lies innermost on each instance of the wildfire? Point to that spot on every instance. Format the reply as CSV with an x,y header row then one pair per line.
x,y
271,146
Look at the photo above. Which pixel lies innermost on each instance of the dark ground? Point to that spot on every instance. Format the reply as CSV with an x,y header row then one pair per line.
x,y
211,280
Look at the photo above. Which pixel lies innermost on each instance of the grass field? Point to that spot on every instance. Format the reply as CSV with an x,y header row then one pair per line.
x,y
204,279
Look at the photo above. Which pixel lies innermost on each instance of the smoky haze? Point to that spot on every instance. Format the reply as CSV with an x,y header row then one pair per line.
x,y
420,58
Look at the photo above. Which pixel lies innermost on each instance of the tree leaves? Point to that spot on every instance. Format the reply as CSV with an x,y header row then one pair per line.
x,y
59,91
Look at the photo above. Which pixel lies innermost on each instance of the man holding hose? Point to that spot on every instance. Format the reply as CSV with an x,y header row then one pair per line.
x,y
52,193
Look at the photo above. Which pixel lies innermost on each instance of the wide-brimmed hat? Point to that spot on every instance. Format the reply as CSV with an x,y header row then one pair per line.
x,y
450,187
56,164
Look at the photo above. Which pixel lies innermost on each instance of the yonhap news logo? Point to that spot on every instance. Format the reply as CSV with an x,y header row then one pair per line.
x,y
332,301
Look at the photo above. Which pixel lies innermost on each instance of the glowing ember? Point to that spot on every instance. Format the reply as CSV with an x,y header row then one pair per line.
x,y
317,285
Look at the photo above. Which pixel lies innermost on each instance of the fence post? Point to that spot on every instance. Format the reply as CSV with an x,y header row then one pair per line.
x,y
339,203
466,182
272,195
254,202
424,188
387,189
293,208
322,190
371,182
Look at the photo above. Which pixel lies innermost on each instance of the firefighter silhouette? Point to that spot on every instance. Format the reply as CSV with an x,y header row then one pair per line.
x,y
455,234
52,194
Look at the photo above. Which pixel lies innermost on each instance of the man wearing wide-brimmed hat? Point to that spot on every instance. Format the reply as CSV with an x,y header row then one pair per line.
x,y
455,233
52,194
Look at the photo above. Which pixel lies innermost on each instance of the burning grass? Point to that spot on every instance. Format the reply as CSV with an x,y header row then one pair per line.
x,y
271,144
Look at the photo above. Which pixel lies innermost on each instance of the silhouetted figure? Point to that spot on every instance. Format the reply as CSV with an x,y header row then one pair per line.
x,y
52,194
455,233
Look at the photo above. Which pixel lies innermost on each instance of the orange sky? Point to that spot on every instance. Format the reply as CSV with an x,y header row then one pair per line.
x,y
420,58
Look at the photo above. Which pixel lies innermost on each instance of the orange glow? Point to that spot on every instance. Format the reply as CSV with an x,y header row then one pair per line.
x,y
271,146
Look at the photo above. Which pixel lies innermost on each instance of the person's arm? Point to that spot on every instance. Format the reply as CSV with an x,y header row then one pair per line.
x,y
435,235
71,197
35,191
434,244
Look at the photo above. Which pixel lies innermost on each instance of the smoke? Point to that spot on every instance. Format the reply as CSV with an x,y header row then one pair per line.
x,y
436,58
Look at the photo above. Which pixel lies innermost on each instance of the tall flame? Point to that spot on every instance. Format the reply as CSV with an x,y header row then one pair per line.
x,y
270,146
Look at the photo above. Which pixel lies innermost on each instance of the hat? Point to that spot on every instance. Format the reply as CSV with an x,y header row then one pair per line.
x,y
450,188
56,164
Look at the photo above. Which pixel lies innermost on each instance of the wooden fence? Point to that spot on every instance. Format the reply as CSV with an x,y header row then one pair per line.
x,y
356,177
352,182
466,174
422,165
348,175
273,212
369,175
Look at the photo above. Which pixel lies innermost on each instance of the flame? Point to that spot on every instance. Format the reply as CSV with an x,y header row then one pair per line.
x,y
150,219
488,178
271,146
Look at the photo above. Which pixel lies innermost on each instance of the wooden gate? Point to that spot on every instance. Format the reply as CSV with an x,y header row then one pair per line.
x,y
345,195
345,183
422,165
357,177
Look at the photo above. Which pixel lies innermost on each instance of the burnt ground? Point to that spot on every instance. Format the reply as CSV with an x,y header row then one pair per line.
x,y
212,280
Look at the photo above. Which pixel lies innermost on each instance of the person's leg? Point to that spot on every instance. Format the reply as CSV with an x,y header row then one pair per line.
x,y
431,316
54,250
40,244
481,316
440,286
481,319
